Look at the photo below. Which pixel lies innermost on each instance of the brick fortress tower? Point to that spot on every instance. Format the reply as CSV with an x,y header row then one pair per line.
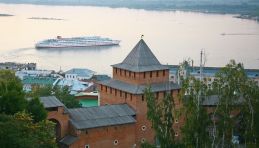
x,y
130,78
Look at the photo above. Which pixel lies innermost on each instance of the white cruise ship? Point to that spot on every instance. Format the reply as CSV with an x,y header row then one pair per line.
x,y
60,42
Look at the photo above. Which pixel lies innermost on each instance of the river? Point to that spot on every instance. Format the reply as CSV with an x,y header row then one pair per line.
x,y
172,36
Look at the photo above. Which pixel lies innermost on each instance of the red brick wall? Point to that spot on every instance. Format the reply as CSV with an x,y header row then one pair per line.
x,y
128,77
61,118
140,106
104,137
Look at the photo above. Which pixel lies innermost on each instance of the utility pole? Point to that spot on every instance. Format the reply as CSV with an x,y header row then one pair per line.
x,y
199,96
201,65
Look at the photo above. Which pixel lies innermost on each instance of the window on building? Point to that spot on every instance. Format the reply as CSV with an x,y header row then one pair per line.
x,y
115,92
101,87
172,92
115,142
120,72
157,73
163,72
116,70
110,90
86,132
176,134
120,93
126,95
143,128
130,97
150,74
125,72
157,95
129,73
106,88
143,98
143,140
87,146
134,74
52,109
144,75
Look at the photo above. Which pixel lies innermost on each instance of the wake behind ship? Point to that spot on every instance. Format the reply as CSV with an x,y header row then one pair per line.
x,y
89,41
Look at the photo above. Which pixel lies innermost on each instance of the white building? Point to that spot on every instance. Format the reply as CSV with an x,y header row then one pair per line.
x,y
79,74
33,73
75,86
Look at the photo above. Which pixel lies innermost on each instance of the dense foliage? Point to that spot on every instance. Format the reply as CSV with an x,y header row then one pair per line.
x,y
23,121
19,131
161,116
237,99
61,93
37,110
11,94
235,114
195,133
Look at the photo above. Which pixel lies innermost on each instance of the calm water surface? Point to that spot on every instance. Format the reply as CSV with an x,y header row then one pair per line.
x,y
172,36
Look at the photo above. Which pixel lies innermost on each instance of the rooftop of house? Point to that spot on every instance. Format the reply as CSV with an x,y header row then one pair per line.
x,y
101,77
101,116
68,140
93,117
213,100
139,89
81,72
140,59
211,71
39,80
50,101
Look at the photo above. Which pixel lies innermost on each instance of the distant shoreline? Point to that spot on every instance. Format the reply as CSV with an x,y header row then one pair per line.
x,y
240,10
45,18
5,15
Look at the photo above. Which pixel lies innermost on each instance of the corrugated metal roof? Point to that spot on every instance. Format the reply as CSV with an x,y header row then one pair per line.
x,y
39,80
140,59
214,99
139,89
50,101
68,140
211,100
211,71
92,117
81,72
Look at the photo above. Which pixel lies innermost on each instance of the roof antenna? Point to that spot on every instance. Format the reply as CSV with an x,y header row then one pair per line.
x,y
142,36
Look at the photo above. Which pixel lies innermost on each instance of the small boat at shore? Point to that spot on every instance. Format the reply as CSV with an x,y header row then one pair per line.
x,y
88,41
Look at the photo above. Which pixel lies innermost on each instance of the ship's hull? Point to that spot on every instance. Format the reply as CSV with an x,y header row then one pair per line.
x,y
76,42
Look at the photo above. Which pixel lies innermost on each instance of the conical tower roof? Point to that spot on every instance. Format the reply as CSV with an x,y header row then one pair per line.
x,y
140,59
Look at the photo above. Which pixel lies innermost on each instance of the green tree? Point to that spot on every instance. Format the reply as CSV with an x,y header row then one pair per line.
x,y
236,92
18,131
41,91
195,133
69,100
62,93
37,110
256,122
11,93
161,116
